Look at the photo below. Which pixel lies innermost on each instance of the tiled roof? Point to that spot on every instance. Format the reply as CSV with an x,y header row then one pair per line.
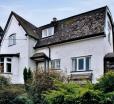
x,y
88,24
39,56
1,34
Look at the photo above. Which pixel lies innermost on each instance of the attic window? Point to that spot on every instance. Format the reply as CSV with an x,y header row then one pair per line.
x,y
48,32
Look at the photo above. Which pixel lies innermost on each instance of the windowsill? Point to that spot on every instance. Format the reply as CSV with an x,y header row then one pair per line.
x,y
11,45
47,36
55,69
6,73
81,71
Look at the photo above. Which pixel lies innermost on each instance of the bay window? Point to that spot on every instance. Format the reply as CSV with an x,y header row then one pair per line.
x,y
81,63
5,65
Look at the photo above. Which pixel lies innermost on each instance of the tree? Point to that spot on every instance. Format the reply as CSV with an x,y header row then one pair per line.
x,y
29,74
25,74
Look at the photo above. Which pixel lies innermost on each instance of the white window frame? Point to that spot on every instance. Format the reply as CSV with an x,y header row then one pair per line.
x,y
5,64
12,39
8,62
83,64
77,63
45,32
55,66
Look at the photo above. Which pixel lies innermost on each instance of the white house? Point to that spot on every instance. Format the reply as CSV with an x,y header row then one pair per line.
x,y
81,46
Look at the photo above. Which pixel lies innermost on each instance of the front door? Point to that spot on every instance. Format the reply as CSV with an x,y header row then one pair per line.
x,y
41,66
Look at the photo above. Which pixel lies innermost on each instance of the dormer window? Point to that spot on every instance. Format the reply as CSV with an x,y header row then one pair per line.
x,y
48,32
12,39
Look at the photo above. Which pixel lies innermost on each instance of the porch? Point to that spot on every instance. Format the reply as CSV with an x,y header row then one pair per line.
x,y
42,60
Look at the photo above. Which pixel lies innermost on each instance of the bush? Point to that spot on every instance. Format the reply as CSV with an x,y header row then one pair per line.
x,y
71,93
29,74
106,83
6,97
4,81
8,93
90,97
22,99
42,81
108,98
25,74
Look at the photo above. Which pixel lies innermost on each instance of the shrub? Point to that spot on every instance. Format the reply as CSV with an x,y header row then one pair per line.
x,y
42,81
66,93
25,74
8,93
90,97
72,93
29,74
22,99
106,82
4,81
7,96
108,98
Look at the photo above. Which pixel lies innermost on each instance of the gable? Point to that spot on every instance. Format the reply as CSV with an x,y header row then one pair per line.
x,y
27,26
13,28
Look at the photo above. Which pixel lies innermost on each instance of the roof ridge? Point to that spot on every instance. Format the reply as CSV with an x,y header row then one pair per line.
x,y
104,7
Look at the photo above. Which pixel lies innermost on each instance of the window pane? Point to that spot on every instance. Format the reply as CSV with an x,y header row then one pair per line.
x,y
50,31
87,63
74,64
12,39
44,33
52,64
81,64
55,64
8,67
1,59
1,67
9,59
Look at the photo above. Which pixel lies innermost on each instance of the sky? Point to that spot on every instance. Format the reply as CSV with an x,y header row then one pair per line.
x,y
41,12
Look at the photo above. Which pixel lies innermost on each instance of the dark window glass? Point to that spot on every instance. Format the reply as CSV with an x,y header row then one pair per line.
x,y
8,67
1,59
9,59
81,64
87,63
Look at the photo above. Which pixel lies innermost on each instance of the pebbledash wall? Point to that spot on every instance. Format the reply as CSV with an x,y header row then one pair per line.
x,y
97,47
24,45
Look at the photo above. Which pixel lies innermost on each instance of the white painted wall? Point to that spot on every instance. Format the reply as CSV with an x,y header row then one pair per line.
x,y
31,43
65,52
96,47
24,46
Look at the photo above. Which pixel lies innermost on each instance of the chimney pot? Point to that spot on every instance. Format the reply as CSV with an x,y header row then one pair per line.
x,y
54,19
